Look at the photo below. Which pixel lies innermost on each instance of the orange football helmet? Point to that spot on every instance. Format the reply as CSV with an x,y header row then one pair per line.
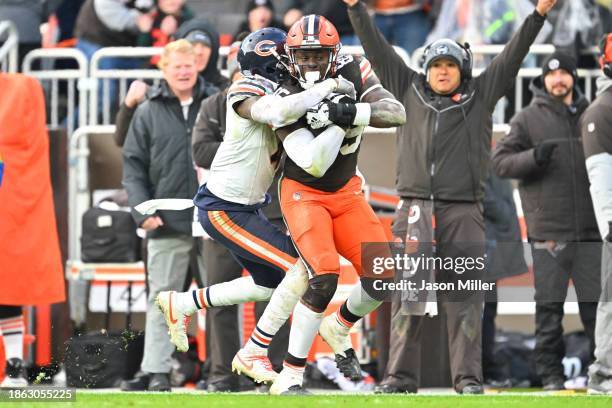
x,y
312,32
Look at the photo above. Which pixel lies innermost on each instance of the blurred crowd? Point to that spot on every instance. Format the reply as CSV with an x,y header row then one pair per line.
x,y
409,24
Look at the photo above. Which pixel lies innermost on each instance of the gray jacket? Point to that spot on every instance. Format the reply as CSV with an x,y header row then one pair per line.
x,y
157,156
444,146
555,197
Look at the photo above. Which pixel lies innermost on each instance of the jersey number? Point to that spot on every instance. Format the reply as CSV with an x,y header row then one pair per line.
x,y
351,148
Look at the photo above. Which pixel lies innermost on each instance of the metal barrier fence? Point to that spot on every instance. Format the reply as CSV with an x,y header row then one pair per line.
x,y
101,102
52,80
9,50
78,184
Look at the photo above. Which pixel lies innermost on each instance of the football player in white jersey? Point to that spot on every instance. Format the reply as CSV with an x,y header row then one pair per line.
x,y
229,204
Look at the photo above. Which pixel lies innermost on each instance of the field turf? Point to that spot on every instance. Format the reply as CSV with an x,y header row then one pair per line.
x,y
187,400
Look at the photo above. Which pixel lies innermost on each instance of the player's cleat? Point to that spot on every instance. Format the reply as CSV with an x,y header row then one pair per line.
x,y
255,366
176,319
288,382
600,388
15,372
296,390
349,365
338,338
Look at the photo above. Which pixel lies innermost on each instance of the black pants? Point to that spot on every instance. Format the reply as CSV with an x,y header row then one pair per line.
x,y
455,223
554,266
489,365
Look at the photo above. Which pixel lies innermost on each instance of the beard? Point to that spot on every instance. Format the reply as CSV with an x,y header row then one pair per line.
x,y
560,92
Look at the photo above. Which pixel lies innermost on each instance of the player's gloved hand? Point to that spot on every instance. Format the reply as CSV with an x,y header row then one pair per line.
x,y
317,117
326,112
346,87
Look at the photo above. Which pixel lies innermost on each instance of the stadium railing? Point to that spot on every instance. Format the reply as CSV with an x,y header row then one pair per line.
x,y
9,49
40,65
102,77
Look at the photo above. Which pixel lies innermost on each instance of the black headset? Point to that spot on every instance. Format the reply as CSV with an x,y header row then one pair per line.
x,y
467,62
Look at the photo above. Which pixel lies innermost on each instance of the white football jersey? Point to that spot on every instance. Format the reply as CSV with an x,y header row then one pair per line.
x,y
247,159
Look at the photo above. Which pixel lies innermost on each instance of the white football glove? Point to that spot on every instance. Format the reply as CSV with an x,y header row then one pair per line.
x,y
346,87
318,116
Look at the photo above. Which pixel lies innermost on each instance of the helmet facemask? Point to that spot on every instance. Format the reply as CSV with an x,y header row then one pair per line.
x,y
312,34
303,60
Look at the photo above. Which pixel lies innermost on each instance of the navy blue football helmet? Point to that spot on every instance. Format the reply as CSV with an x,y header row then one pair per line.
x,y
263,53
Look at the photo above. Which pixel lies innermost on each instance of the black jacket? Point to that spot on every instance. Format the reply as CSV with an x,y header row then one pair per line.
x,y
555,197
157,159
444,147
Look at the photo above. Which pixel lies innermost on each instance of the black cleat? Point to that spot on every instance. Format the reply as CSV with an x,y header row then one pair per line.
x,y
296,390
349,365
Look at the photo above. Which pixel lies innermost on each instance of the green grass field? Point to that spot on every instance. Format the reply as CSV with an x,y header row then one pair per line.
x,y
175,400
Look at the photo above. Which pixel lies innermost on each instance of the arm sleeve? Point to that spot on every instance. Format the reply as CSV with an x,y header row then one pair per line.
x,y
279,111
314,154
393,72
116,16
513,155
206,137
122,125
504,68
136,162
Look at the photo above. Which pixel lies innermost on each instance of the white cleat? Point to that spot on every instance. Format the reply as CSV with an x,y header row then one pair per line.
x,y
255,366
18,382
288,383
176,319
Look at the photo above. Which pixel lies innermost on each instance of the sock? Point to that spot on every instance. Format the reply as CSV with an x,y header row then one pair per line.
x,y
259,342
12,332
281,304
234,292
359,304
293,369
304,328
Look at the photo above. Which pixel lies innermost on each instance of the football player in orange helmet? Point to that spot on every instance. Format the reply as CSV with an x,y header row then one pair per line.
x,y
322,200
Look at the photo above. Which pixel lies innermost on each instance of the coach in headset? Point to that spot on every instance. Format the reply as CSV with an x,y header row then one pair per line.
x,y
443,161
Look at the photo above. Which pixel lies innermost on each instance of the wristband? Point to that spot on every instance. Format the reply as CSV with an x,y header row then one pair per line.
x,y
363,114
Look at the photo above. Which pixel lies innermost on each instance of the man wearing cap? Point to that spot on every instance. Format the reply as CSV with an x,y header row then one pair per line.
x,y
443,160
597,142
543,151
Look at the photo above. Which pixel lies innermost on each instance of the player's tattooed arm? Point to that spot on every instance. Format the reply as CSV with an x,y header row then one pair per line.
x,y
278,111
385,110
313,154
